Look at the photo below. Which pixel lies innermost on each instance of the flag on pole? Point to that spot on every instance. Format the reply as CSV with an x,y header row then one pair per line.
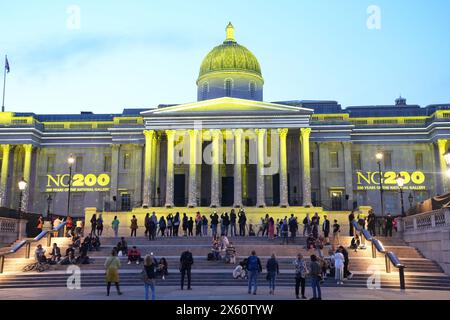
x,y
7,64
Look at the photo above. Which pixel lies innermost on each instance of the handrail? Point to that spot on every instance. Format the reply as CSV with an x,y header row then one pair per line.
x,y
27,243
390,257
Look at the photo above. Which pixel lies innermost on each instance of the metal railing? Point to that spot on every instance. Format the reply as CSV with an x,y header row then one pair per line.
x,y
390,257
27,244
428,220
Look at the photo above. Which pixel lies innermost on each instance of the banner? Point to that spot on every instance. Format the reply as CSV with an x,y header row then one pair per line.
x,y
80,183
371,180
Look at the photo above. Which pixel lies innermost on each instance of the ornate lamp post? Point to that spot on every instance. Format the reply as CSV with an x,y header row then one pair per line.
x,y
70,161
379,157
22,186
401,183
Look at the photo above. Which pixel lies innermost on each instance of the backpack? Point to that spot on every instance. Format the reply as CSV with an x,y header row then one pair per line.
x,y
252,263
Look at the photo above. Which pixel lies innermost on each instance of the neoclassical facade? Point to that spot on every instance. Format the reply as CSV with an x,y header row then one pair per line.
x,y
228,149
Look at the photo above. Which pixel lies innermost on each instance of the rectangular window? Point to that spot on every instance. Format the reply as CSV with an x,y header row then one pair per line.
x,y
334,159
79,164
126,161
51,163
311,159
107,163
387,160
356,159
419,161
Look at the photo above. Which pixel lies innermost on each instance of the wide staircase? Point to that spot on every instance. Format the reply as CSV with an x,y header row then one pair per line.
x,y
420,273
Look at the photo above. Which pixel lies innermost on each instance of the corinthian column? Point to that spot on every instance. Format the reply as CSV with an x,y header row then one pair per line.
x,y
284,199
149,134
442,146
4,175
215,173
260,186
170,168
238,162
193,142
305,134
27,175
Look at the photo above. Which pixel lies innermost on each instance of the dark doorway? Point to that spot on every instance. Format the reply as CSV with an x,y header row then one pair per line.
x,y
179,191
276,190
336,200
227,191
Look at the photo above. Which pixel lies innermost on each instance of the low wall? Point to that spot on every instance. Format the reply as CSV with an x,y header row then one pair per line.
x,y
9,230
430,234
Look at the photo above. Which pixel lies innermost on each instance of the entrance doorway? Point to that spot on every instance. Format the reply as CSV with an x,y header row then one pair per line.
x,y
276,190
179,191
227,191
336,200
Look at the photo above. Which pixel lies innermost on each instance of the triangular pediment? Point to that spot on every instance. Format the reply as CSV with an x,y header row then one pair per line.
x,y
225,105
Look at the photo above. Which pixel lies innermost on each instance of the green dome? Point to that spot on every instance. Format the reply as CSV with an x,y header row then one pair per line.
x,y
230,57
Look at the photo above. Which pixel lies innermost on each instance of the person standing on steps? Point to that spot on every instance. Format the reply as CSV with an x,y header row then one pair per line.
x,y
184,225
389,225
326,229
271,229
301,271
339,267
233,223
316,276
150,264
186,262
371,222
99,225
147,225
242,220
204,226
351,218
93,225
162,226
134,226
176,224
115,226
254,269
112,265
190,225
214,222
336,233
169,225
272,271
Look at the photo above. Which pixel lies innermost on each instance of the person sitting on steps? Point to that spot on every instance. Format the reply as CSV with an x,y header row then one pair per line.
x,y
134,255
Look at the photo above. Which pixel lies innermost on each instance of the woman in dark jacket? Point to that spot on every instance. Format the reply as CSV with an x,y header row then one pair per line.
x,y
93,224
150,264
272,272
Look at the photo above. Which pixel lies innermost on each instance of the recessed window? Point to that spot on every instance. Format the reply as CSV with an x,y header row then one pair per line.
x,y
228,87
419,161
107,163
334,159
311,160
356,161
252,89
79,164
387,156
205,89
126,161
51,163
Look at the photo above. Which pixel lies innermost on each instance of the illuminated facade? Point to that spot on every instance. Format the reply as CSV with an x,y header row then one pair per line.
x,y
227,149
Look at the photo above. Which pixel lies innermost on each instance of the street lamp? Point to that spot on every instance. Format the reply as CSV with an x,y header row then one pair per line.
x,y
22,186
379,157
49,202
401,183
70,161
447,157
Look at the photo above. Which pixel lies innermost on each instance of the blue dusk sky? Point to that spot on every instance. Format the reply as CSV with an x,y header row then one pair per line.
x,y
138,54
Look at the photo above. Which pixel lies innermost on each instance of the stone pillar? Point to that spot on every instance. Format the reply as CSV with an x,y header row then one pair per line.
x,y
348,172
193,147
4,175
284,192
148,155
154,170
442,149
215,172
305,134
260,177
170,168
27,175
115,164
238,162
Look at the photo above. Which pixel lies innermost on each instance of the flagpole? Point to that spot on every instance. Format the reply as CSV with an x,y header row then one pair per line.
x,y
4,86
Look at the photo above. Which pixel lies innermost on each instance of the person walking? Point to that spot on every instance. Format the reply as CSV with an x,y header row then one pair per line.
x,y
99,225
254,268
93,224
301,271
336,233
233,223
115,226
339,267
242,220
134,226
389,225
150,264
316,276
351,218
112,265
347,273
186,262
176,224
326,230
272,271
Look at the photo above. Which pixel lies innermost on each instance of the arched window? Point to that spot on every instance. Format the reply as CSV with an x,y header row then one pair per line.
x,y
205,89
228,87
252,88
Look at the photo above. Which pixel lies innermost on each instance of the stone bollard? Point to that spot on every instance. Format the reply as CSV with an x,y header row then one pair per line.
x,y
22,230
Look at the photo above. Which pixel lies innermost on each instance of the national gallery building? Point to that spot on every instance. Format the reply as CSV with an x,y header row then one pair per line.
x,y
228,149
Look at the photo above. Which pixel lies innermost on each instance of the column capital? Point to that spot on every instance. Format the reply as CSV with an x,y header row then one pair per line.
x,y
28,148
115,146
305,132
149,134
442,144
216,133
238,133
283,132
5,147
170,134
260,132
193,133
